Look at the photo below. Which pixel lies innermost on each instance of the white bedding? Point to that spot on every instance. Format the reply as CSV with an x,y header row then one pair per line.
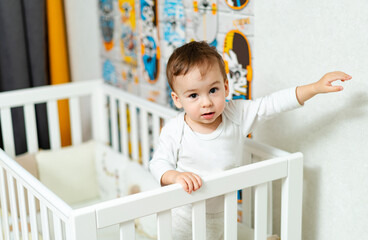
x,y
96,173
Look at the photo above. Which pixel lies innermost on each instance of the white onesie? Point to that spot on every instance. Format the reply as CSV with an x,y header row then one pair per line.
x,y
184,150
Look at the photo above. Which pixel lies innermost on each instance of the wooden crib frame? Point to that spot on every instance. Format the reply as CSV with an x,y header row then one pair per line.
x,y
83,223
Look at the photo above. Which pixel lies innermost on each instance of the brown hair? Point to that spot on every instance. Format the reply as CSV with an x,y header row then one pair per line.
x,y
190,55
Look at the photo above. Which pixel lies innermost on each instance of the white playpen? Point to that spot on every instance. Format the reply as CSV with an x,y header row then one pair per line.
x,y
30,210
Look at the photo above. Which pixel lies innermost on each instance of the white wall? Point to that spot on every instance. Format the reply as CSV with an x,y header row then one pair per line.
x,y
83,39
296,43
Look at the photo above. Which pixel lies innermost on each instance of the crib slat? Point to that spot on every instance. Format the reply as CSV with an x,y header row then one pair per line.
x,y
230,217
44,222
144,137
32,216
199,220
13,206
164,225
31,128
7,131
127,230
81,225
134,132
1,229
156,129
114,124
291,200
75,120
57,228
270,208
22,211
4,205
247,206
68,232
54,128
99,113
260,209
123,128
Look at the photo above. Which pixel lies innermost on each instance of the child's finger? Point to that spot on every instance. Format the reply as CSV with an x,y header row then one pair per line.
x,y
340,76
335,88
189,182
184,184
194,181
199,180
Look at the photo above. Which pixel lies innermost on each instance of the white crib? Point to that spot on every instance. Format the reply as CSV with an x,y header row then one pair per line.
x,y
109,124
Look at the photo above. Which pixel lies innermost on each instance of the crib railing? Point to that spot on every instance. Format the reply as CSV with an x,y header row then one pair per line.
x,y
108,113
29,98
289,168
26,192
110,108
34,208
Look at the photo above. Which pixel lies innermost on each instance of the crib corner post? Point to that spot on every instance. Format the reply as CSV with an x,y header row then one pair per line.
x,y
292,194
99,116
82,225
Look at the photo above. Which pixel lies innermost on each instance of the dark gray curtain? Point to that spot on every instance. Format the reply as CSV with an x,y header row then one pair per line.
x,y
23,60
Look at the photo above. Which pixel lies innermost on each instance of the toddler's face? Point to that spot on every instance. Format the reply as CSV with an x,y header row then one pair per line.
x,y
202,97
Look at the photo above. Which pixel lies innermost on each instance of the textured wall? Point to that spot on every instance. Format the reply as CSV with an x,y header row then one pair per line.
x,y
296,43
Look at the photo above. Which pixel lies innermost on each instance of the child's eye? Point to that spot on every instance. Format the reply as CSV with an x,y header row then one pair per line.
x,y
213,90
193,95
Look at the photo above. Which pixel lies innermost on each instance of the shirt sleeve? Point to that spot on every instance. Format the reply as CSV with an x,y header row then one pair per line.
x,y
164,158
249,113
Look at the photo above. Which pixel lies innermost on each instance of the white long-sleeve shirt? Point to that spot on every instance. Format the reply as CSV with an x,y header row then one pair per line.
x,y
184,150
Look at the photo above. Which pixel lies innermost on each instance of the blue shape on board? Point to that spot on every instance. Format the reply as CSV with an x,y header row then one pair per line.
x,y
109,73
106,6
214,43
107,26
241,97
146,11
174,27
149,57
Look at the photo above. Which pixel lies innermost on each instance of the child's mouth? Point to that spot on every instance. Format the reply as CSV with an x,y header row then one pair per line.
x,y
208,115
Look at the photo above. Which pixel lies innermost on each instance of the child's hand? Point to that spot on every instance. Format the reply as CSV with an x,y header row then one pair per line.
x,y
188,180
324,85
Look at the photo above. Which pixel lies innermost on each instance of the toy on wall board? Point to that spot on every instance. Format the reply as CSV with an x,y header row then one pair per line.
x,y
174,32
174,25
107,23
237,58
128,41
149,40
205,20
237,4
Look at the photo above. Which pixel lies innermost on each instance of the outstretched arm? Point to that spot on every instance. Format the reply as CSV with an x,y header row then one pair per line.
x,y
324,85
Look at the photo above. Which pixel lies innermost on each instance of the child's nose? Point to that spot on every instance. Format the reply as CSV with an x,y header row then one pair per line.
x,y
206,102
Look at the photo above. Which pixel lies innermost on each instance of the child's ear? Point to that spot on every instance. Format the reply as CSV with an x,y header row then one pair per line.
x,y
227,91
176,100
